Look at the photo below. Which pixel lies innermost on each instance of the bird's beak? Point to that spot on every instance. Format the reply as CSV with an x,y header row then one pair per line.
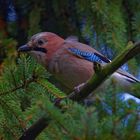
x,y
24,48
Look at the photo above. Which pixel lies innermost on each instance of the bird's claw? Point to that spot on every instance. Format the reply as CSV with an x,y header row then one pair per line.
x,y
79,87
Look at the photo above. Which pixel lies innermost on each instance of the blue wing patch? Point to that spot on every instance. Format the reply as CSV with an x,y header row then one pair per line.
x,y
93,57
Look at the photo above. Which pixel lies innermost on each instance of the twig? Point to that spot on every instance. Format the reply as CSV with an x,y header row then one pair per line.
x,y
19,86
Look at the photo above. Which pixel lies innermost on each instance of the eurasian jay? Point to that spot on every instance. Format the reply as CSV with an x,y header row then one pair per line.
x,y
70,61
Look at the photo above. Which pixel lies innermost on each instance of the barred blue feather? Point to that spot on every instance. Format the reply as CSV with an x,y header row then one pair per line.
x,y
93,57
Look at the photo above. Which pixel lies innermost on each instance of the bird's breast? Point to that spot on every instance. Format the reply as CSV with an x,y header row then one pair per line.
x,y
70,71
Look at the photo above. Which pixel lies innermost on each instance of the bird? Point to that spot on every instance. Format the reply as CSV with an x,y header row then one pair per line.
x,y
71,62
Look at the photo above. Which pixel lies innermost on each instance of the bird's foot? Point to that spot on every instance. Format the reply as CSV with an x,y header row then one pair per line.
x,y
79,87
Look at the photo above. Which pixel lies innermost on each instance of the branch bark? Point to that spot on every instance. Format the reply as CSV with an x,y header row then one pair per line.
x,y
32,132
96,80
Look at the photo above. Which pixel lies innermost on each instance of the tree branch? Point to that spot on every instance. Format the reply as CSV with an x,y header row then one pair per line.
x,y
32,132
96,80
99,77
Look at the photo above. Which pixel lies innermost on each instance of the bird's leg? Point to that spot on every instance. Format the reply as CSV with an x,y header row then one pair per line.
x,y
78,88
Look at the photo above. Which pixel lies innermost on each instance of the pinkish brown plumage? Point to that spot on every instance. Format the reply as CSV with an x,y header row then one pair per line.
x,y
70,66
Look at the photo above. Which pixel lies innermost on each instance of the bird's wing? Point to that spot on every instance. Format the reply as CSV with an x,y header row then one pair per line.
x,y
90,56
85,52
127,76
95,57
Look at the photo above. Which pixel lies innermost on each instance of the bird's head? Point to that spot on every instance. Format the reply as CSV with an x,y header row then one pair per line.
x,y
42,46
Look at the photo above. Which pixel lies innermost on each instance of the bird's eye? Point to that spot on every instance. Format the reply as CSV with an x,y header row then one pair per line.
x,y
40,42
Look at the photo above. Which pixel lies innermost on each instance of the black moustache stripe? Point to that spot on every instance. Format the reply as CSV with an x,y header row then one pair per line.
x,y
40,49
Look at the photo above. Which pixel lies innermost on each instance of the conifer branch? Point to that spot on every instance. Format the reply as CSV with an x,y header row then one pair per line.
x,y
27,82
129,14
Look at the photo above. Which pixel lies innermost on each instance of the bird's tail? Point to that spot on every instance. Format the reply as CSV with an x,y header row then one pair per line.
x,y
124,79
